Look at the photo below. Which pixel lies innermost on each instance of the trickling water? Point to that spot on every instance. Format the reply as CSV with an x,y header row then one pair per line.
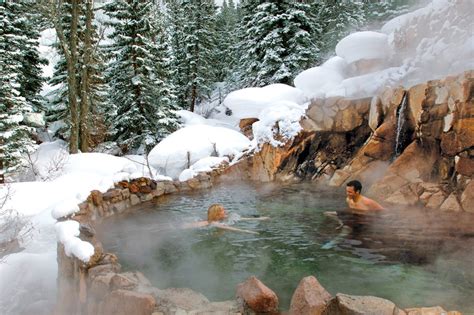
x,y
401,122
293,244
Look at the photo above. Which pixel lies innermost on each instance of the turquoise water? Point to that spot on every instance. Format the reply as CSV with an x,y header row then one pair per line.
x,y
289,246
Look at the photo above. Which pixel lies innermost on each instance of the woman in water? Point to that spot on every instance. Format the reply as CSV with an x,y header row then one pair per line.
x,y
216,214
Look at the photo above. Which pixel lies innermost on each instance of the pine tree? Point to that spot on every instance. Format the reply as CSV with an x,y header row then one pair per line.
x,y
337,20
140,96
276,42
193,45
14,135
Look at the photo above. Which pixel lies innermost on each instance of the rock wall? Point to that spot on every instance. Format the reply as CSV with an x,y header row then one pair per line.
x,y
410,146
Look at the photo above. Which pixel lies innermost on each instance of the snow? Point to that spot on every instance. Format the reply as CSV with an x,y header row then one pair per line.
x,y
30,275
68,232
283,114
363,45
426,44
188,118
249,102
203,165
316,81
188,145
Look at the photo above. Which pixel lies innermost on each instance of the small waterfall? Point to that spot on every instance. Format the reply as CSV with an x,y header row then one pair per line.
x,y
401,126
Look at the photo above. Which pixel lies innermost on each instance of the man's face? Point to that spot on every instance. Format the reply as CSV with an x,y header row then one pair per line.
x,y
351,192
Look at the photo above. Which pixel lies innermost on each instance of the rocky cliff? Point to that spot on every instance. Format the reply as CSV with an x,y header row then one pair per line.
x,y
411,146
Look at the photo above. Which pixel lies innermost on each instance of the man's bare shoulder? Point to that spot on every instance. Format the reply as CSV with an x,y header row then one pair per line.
x,y
371,204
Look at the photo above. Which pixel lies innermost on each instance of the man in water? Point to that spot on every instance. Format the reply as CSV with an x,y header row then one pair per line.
x,y
357,201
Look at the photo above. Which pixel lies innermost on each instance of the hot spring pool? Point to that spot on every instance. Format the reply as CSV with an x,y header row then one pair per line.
x,y
289,246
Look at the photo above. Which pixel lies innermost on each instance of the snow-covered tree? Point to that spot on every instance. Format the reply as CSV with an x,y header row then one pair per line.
x,y
276,41
337,19
139,94
91,120
14,134
194,48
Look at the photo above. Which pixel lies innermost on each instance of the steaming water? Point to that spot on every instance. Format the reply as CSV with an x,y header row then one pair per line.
x,y
288,247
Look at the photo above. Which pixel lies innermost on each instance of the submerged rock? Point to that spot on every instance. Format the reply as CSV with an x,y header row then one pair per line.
x,y
361,305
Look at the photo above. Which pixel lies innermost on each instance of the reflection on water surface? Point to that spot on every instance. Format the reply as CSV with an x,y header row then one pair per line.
x,y
400,264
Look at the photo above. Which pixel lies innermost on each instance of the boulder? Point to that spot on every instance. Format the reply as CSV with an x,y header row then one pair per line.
x,y
182,298
257,296
459,139
123,302
436,200
465,166
375,113
467,197
416,95
381,145
347,120
435,310
451,204
361,305
310,298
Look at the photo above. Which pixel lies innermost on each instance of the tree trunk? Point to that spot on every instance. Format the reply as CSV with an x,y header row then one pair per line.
x,y
85,80
71,78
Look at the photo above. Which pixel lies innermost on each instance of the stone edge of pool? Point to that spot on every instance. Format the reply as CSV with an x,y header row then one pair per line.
x,y
99,286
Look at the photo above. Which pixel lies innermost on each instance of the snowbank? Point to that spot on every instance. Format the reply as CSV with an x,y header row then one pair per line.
x,y
188,145
30,275
363,45
249,102
429,43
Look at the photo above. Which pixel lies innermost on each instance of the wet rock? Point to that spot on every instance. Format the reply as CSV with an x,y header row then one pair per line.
x,y
123,302
404,197
182,298
339,177
376,114
257,296
451,204
112,195
381,145
134,200
436,200
125,193
96,198
467,197
416,95
459,139
310,298
465,166
123,281
103,269
435,310
361,305
100,285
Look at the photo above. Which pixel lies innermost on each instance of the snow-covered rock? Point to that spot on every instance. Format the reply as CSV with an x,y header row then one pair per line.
x,y
315,82
249,102
283,115
188,145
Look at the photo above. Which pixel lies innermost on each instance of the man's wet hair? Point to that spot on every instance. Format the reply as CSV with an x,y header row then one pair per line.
x,y
356,184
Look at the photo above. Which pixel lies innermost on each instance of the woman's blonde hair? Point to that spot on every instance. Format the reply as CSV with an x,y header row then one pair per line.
x,y
214,213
